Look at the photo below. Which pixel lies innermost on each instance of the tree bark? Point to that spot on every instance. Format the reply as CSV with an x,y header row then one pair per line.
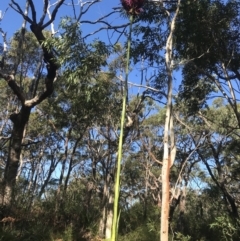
x,y
169,151
106,221
19,121
109,218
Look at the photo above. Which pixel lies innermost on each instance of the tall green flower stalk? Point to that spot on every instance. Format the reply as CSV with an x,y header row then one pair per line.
x,y
132,7
120,143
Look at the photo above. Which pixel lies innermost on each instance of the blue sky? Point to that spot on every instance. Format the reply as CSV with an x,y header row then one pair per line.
x,y
12,21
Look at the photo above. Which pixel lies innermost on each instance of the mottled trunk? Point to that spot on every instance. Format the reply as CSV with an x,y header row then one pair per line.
x,y
105,224
165,200
15,146
101,228
182,207
59,190
109,218
106,221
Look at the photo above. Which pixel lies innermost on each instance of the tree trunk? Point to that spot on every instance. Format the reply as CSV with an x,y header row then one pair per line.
x,y
50,172
169,151
182,207
101,229
19,121
21,156
70,166
106,221
109,218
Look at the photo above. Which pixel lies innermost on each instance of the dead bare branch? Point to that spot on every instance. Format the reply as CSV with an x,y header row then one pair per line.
x,y
90,4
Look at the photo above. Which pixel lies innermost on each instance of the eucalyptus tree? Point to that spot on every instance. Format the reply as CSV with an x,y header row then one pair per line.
x,y
215,133
207,44
21,117
29,93
102,151
158,35
95,124
197,84
215,130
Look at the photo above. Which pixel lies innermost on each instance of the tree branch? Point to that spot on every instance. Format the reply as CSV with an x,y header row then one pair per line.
x,y
13,85
20,11
58,5
34,14
45,8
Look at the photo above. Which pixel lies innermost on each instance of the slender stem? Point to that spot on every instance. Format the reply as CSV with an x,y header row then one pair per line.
x,y
120,144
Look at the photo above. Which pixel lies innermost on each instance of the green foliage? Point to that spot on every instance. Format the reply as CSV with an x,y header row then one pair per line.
x,y
141,233
87,102
24,52
135,226
207,41
79,61
180,237
8,235
68,234
193,92
228,230
149,37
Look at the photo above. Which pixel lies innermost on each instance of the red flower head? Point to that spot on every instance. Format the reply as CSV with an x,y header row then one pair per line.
x,y
133,6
